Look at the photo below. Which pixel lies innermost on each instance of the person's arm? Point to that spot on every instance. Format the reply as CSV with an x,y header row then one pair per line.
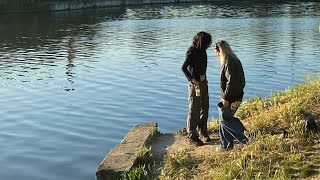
x,y
185,65
231,82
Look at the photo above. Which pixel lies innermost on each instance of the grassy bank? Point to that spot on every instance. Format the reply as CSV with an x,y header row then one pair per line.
x,y
271,153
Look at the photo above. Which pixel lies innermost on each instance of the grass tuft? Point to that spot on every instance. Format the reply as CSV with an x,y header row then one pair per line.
x,y
144,156
137,173
180,165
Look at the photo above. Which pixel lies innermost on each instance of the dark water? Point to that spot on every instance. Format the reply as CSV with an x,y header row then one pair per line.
x,y
74,83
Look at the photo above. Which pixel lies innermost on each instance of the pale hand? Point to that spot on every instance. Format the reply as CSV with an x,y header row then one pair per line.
x,y
225,103
195,82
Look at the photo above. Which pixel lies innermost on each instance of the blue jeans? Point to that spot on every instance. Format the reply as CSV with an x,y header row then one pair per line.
x,y
230,127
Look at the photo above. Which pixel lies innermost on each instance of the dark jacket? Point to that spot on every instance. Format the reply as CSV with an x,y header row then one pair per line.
x,y
232,80
195,63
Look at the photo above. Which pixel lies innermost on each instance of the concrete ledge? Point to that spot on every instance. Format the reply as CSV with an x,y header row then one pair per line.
x,y
11,6
123,156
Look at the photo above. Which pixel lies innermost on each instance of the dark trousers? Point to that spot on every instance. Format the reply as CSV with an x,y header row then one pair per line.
x,y
230,127
198,109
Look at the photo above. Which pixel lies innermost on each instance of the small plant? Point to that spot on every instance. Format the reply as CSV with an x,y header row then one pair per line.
x,y
251,107
138,173
144,156
155,133
290,112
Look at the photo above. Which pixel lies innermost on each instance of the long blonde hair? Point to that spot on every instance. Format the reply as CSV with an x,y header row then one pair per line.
x,y
224,47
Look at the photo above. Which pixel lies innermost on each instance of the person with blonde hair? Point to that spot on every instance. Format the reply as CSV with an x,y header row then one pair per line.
x,y
232,83
194,68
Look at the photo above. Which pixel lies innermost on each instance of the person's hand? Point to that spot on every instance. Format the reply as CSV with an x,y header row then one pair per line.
x,y
225,103
195,82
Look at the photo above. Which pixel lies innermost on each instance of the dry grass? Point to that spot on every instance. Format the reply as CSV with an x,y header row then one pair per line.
x,y
268,155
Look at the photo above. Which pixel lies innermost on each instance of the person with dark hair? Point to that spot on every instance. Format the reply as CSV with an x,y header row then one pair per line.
x,y
232,83
194,68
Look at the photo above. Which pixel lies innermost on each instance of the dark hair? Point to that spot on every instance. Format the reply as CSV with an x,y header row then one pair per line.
x,y
202,40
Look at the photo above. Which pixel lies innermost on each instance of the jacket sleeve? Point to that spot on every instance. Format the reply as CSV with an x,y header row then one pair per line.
x,y
231,81
187,63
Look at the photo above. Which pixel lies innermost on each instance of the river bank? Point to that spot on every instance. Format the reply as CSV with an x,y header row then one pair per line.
x,y
270,153
281,145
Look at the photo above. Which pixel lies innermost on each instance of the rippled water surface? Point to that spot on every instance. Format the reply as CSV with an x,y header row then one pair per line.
x,y
74,83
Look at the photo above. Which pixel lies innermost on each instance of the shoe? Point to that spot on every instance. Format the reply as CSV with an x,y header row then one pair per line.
x,y
221,149
205,137
195,140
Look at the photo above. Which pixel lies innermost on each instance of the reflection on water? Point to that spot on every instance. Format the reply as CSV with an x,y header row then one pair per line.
x,y
74,83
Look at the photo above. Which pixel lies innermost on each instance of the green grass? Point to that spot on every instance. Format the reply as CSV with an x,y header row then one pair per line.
x,y
137,173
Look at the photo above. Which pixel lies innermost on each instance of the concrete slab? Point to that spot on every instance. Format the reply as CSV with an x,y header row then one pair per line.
x,y
124,155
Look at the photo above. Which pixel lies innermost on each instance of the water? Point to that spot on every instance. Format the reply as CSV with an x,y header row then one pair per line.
x,y
74,83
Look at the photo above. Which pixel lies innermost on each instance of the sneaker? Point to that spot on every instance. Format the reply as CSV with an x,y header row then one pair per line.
x,y
221,149
195,140
205,137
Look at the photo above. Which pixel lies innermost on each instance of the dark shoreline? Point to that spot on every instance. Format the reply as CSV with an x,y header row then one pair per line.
x,y
18,6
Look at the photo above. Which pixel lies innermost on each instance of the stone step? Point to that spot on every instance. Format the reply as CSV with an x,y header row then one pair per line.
x,y
123,156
